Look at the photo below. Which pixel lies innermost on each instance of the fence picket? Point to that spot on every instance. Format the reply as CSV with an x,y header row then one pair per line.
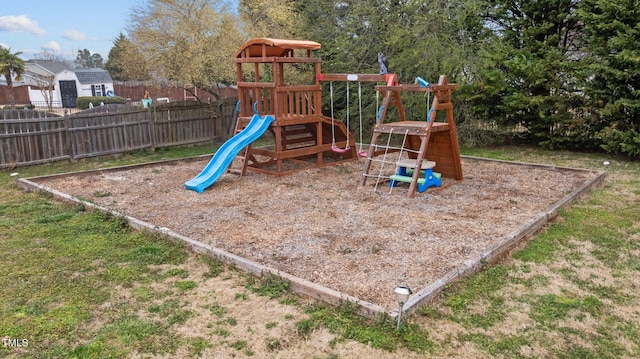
x,y
30,137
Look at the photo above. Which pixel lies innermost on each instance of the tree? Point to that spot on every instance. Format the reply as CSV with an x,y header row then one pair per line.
x,y
533,80
269,18
11,65
125,61
418,38
612,72
46,84
189,41
86,60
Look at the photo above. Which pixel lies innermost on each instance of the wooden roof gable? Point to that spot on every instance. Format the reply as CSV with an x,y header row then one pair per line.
x,y
267,47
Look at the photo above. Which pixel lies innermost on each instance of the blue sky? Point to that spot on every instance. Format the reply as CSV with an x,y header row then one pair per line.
x,y
62,27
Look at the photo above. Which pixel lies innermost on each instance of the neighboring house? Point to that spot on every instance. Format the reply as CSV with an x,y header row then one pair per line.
x,y
53,81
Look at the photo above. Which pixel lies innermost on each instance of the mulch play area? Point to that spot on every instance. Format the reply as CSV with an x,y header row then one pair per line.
x,y
331,240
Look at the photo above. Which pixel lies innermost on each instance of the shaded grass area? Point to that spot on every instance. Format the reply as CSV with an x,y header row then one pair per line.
x,y
570,292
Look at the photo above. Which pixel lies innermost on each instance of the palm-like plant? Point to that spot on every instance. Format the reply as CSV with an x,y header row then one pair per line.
x,y
11,64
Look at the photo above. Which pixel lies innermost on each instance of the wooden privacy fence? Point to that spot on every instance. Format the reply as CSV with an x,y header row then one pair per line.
x,y
30,137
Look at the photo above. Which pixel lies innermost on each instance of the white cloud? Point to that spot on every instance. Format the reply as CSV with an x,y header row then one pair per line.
x,y
51,46
4,45
74,35
20,23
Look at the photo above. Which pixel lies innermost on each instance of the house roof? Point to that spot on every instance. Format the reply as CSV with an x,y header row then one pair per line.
x,y
93,76
51,66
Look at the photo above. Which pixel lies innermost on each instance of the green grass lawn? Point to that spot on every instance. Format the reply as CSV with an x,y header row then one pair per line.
x,y
77,283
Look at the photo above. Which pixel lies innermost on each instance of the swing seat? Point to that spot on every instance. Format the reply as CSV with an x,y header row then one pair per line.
x,y
362,154
337,149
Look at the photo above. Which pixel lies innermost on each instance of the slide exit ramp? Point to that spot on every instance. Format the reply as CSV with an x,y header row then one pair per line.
x,y
227,152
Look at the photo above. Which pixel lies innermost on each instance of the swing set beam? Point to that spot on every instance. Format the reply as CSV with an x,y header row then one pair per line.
x,y
358,78
390,79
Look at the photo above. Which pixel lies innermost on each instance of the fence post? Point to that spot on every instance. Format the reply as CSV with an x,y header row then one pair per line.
x,y
217,119
68,136
152,127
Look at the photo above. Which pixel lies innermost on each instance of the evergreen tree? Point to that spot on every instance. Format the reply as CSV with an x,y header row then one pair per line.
x,y
612,58
418,38
125,61
533,79
86,60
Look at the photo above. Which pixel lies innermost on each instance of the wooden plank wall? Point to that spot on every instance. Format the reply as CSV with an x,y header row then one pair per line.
x,y
30,137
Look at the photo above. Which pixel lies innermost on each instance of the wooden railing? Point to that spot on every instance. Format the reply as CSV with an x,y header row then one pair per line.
x,y
256,96
282,102
299,100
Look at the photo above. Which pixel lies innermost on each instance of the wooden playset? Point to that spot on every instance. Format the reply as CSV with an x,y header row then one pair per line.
x,y
305,138
302,135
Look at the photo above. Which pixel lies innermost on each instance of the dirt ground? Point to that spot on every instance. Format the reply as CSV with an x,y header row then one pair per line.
x,y
316,225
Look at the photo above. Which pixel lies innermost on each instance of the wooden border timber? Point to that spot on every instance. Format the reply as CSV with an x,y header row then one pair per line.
x,y
301,286
502,247
296,284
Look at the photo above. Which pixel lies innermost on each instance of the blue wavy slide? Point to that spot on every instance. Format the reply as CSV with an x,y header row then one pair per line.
x,y
227,152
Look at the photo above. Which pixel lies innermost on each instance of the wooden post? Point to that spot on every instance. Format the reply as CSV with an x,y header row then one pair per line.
x,y
68,140
215,119
152,128
367,160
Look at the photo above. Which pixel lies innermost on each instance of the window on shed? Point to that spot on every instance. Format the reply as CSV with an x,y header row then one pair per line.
x,y
98,90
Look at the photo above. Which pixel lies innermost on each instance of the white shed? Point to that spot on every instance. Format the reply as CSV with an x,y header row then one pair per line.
x,y
63,85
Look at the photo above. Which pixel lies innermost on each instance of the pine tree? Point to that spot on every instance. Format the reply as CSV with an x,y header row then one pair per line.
x,y
86,60
532,82
612,86
125,61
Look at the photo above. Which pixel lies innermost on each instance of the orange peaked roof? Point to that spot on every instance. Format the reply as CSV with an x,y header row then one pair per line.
x,y
273,47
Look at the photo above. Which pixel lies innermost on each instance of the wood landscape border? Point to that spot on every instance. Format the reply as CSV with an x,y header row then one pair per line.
x,y
490,255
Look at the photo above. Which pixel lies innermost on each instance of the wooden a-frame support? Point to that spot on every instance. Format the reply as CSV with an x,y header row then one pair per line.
x,y
436,141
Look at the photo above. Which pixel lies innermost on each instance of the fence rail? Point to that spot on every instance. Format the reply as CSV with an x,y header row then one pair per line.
x,y
30,137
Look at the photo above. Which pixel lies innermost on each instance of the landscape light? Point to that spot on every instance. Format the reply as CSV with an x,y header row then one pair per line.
x,y
402,295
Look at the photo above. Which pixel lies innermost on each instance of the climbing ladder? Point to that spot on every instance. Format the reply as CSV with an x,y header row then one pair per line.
x,y
432,140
